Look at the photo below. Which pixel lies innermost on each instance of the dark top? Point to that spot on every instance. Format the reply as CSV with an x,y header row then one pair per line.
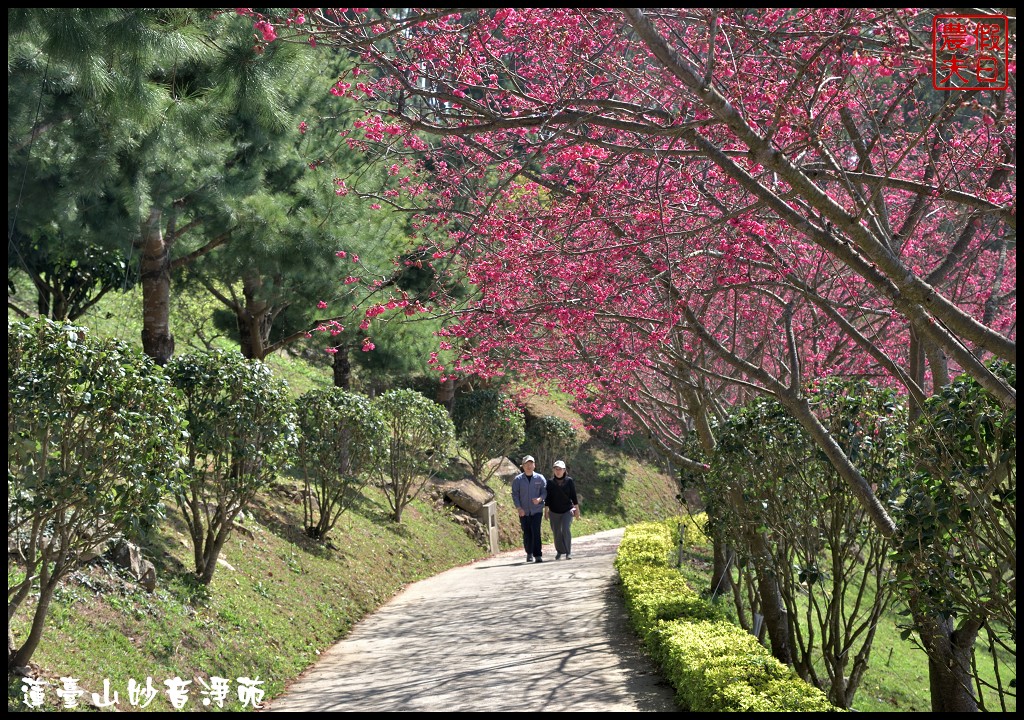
x,y
561,494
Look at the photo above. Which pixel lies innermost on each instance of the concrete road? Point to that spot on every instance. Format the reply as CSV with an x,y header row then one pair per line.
x,y
499,635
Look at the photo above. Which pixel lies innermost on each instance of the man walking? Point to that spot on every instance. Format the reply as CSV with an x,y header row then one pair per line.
x,y
529,491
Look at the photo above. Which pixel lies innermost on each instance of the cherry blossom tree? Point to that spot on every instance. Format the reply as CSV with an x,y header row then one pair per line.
x,y
665,210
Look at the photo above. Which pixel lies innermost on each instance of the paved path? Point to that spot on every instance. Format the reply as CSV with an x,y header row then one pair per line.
x,y
498,635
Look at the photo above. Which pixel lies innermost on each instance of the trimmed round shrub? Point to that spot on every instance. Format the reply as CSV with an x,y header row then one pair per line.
x,y
94,443
241,434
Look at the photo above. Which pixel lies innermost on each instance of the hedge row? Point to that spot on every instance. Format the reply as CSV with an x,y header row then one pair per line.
x,y
714,665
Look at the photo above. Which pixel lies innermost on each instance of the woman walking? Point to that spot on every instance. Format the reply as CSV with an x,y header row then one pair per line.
x,y
561,507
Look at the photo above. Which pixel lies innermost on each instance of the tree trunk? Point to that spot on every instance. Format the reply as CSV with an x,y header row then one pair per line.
x,y
446,393
939,363
721,578
949,661
776,619
157,341
251,340
44,301
206,577
916,374
22,655
253,317
342,368
950,678
11,648
215,539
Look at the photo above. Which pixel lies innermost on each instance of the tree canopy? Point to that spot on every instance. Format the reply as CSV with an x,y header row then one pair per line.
x,y
669,210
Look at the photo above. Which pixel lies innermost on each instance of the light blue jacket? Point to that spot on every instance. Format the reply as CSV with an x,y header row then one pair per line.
x,y
524,490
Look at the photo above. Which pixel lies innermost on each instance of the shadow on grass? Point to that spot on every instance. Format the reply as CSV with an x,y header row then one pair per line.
x,y
357,502
598,483
290,532
163,551
362,505
396,528
186,589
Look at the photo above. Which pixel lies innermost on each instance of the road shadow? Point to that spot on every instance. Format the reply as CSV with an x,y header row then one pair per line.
x,y
501,635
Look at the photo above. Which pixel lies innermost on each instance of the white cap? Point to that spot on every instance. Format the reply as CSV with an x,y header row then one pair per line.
x,y
528,458
559,464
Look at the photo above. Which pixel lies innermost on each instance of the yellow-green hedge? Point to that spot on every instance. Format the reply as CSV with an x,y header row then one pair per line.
x,y
645,543
692,527
660,593
714,665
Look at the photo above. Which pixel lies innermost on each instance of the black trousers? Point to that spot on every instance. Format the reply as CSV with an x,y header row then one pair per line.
x,y
531,533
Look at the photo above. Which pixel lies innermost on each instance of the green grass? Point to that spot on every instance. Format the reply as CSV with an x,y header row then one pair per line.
x,y
301,375
897,678
278,602
280,599
285,598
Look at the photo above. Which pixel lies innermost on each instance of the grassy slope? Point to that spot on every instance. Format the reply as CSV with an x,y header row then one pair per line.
x,y
280,599
275,603
286,599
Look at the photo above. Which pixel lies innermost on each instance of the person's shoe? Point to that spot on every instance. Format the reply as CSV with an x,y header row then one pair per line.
x,y
568,556
538,559
529,558
558,556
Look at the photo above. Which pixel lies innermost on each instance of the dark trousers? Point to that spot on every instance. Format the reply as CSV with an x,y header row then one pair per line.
x,y
531,533
561,528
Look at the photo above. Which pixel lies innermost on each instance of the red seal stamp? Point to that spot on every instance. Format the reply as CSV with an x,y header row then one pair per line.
x,y
970,52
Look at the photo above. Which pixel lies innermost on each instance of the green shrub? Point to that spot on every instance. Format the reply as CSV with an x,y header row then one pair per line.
x,y
718,667
488,425
714,665
549,438
692,527
342,437
660,593
93,443
645,543
420,434
241,434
